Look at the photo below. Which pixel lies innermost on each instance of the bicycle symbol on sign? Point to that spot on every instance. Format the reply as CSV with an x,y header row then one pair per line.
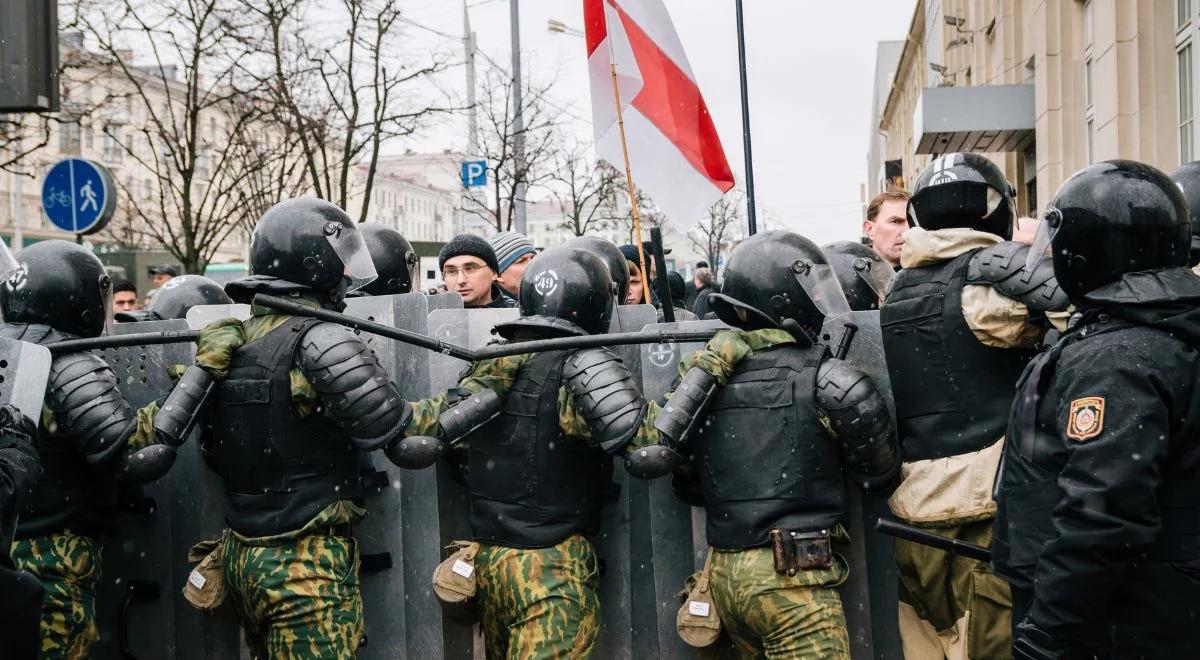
x,y
57,198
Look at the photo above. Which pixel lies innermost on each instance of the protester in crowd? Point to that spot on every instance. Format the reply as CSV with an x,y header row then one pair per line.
x,y
160,274
125,297
704,286
678,298
513,252
887,220
469,268
636,293
691,289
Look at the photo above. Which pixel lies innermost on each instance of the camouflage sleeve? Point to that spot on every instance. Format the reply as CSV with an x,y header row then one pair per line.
x,y
304,395
143,433
218,340
497,374
719,357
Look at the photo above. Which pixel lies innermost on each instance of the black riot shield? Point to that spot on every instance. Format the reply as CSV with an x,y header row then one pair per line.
x,y
24,370
380,539
201,315
870,596
141,612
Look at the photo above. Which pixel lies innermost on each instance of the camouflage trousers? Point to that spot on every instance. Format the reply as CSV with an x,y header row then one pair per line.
x,y
950,606
768,615
298,598
539,604
68,566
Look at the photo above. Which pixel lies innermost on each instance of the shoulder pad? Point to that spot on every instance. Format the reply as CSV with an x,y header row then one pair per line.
x,y
604,395
355,389
88,408
861,422
1003,267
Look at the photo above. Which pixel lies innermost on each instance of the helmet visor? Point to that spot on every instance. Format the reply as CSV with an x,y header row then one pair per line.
x,y
1049,226
106,301
8,263
348,243
822,286
877,275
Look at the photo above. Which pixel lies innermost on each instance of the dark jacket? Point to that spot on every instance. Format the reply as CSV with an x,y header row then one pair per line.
x,y
700,305
500,299
1099,492
20,607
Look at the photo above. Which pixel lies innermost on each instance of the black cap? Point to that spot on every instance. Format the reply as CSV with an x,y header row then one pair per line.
x,y
470,245
164,270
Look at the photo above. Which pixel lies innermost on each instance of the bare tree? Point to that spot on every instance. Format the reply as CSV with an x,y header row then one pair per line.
x,y
584,190
341,93
721,225
498,134
188,134
648,214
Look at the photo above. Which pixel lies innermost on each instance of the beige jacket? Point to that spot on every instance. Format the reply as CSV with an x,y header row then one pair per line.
x,y
958,489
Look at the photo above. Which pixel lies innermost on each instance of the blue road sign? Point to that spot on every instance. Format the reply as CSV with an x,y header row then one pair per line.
x,y
474,173
78,196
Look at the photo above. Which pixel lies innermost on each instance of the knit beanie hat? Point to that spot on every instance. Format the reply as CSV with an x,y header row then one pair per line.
x,y
470,245
510,246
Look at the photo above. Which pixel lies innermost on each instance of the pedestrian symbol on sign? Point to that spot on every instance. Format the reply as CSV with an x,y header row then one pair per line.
x,y
89,197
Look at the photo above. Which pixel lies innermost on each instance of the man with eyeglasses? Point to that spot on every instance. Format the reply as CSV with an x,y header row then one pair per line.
x,y
469,269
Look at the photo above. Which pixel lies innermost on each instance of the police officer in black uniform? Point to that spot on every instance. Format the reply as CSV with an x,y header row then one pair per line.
x,y
90,437
396,263
961,321
772,447
1187,177
21,606
1098,530
299,399
608,251
175,297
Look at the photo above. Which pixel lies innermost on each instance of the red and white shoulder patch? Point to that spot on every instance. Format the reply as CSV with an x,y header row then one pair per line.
x,y
1086,420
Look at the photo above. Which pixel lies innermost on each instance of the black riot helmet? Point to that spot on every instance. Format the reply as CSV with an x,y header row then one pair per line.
x,y
179,294
779,279
564,291
394,258
618,267
863,274
1187,177
59,284
1110,219
312,243
963,190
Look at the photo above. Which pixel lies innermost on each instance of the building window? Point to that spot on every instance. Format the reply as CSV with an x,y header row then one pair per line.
x,y
1089,114
68,137
1185,61
1183,13
111,144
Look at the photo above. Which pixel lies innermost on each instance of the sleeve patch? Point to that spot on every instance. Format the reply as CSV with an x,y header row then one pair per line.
x,y
1087,418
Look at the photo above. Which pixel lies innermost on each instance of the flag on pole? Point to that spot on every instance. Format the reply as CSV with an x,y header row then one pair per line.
x,y
675,153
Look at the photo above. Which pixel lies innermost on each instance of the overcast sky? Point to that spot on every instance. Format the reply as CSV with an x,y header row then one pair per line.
x,y
810,62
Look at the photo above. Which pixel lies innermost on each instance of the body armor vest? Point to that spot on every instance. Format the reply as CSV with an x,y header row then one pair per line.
x,y
531,486
69,494
952,392
280,470
763,459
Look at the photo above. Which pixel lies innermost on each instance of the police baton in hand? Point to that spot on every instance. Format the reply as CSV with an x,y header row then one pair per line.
x,y
953,546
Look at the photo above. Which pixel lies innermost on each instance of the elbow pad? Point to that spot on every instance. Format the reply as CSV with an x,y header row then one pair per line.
x,y
604,394
675,423
460,420
354,388
178,415
859,417
146,464
88,408
1002,266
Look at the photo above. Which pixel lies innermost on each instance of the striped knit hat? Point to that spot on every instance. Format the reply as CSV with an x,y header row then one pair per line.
x,y
510,246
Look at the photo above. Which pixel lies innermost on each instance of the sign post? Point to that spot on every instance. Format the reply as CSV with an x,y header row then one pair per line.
x,y
78,196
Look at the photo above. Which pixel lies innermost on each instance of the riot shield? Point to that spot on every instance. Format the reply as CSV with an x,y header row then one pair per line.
x,y
141,612
631,318
24,370
870,596
380,539
201,315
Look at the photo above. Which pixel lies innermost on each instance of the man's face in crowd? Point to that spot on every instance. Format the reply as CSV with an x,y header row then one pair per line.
x,y
510,279
125,301
470,278
886,231
160,279
633,295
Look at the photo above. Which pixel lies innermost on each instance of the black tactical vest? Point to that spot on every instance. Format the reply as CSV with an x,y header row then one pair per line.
x,y
763,459
69,494
952,392
280,470
531,486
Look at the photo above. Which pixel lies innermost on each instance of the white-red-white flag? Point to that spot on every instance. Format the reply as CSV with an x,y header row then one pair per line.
x,y
674,150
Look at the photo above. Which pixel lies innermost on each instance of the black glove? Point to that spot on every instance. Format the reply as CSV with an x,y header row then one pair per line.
x,y
1033,643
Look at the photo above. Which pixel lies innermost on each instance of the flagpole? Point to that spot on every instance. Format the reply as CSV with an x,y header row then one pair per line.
x,y
633,207
749,156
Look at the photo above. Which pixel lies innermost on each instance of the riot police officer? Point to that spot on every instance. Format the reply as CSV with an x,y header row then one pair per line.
x,y
961,321
1099,500
21,605
175,297
396,263
298,400
863,274
541,429
612,257
1187,177
89,435
776,424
